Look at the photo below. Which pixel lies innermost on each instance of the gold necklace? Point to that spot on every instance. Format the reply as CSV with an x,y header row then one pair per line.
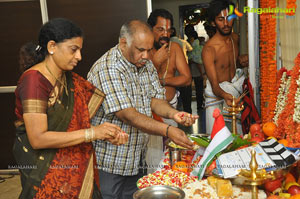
x,y
60,81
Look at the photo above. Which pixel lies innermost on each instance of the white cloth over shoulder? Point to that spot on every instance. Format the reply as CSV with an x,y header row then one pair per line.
x,y
235,88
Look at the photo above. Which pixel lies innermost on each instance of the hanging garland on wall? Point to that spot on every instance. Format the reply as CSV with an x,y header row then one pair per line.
x,y
268,66
288,123
280,91
291,4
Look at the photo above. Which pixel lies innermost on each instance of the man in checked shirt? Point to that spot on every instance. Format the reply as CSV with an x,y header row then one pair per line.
x,y
131,84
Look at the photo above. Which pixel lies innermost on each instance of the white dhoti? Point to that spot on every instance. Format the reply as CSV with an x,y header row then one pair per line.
x,y
235,88
155,149
154,153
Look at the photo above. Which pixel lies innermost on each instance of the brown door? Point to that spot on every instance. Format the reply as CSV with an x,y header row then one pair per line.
x,y
20,22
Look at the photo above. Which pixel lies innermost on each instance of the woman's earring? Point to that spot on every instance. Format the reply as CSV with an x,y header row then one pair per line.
x,y
51,53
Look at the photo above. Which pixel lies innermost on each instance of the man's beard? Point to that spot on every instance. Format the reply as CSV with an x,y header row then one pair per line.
x,y
224,33
158,45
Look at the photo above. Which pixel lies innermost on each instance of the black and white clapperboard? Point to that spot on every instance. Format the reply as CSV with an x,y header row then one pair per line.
x,y
281,157
270,155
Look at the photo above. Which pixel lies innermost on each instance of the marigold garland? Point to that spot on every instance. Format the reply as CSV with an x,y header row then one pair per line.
x,y
287,127
268,66
291,4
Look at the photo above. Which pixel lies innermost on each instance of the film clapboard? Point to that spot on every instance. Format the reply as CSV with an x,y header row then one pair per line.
x,y
270,155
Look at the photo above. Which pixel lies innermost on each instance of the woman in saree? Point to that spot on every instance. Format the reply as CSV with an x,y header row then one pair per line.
x,y
54,148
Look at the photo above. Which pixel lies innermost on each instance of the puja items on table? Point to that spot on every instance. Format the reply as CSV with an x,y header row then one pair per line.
x,y
165,177
218,188
192,170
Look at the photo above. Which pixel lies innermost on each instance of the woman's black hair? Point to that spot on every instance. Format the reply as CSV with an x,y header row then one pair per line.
x,y
215,7
58,30
152,20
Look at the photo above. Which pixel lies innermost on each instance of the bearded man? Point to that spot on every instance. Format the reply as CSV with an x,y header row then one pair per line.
x,y
222,63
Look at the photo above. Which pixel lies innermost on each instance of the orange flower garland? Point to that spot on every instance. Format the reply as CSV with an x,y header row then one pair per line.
x,y
287,127
290,4
268,66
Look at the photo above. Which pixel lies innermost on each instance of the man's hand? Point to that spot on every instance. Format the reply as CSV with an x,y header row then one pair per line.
x,y
244,60
161,55
184,118
228,99
179,137
121,138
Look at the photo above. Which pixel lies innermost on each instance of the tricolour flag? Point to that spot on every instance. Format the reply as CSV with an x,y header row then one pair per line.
x,y
221,138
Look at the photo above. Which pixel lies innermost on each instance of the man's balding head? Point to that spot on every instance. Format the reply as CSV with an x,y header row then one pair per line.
x,y
131,28
136,42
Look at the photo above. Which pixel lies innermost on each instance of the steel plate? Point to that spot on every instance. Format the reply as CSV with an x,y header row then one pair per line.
x,y
159,192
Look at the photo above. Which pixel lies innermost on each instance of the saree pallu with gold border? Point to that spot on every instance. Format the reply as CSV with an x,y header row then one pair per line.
x,y
65,172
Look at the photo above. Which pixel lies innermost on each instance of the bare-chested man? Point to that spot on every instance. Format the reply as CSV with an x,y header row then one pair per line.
x,y
168,56
221,61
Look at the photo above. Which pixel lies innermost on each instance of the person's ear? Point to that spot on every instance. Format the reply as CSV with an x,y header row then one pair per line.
x,y
51,46
123,43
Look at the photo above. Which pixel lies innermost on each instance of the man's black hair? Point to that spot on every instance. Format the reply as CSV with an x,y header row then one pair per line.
x,y
152,20
216,6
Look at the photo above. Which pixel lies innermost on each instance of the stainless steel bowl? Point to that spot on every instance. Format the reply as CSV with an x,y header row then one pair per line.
x,y
159,192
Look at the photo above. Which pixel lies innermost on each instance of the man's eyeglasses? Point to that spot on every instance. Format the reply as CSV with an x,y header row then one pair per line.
x,y
162,30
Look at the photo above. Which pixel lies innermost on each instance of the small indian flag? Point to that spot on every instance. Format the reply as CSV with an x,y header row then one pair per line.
x,y
221,138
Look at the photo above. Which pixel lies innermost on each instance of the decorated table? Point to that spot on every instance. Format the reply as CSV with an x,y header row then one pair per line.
x,y
179,173
264,162
261,164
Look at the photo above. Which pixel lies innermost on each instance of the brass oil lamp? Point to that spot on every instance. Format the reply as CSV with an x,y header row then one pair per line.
x,y
254,177
233,110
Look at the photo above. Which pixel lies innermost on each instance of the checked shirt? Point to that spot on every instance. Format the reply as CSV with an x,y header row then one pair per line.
x,y
125,86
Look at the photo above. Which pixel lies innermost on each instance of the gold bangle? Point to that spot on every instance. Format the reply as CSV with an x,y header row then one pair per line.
x,y
87,135
93,134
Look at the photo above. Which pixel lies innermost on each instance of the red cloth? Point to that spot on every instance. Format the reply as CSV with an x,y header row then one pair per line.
x,y
250,114
34,86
